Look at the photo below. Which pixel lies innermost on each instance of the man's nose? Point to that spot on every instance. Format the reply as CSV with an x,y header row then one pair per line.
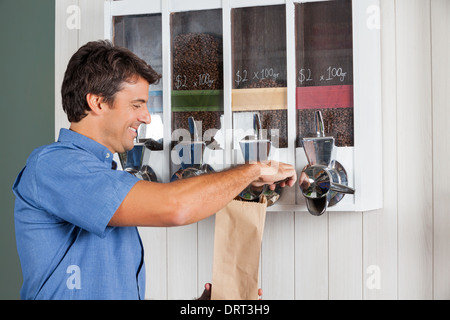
x,y
145,116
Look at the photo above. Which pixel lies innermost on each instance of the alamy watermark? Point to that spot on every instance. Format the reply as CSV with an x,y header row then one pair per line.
x,y
373,281
373,21
73,21
74,280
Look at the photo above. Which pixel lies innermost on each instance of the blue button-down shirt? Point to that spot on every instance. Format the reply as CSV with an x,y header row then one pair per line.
x,y
65,197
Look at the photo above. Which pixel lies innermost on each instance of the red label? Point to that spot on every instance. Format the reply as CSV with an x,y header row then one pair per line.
x,y
325,97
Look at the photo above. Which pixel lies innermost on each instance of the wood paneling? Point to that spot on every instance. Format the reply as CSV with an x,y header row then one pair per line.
x,y
91,27
205,252
277,257
339,255
154,241
182,262
440,27
380,227
345,256
311,256
415,153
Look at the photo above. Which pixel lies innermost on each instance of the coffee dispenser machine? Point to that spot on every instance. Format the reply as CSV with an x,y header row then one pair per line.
x,y
191,154
324,182
132,162
255,148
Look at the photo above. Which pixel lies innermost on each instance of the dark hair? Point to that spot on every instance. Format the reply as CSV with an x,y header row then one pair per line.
x,y
100,68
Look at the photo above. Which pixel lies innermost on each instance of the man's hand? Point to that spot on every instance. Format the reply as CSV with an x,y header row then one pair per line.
x,y
206,295
275,173
303,181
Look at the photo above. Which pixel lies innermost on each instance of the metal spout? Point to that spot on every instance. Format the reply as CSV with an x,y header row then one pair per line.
x,y
319,150
132,162
132,159
191,152
191,155
255,148
317,207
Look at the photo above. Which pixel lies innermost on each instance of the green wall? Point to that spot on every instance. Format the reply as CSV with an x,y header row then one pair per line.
x,y
27,46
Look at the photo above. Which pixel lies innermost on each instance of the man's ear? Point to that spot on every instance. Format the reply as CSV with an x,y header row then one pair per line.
x,y
96,103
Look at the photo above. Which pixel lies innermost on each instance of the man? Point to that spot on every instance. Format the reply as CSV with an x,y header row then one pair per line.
x,y
76,216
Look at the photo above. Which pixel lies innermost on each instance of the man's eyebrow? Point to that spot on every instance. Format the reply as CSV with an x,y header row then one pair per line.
x,y
139,100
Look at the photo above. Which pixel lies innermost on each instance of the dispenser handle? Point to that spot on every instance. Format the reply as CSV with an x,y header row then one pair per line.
x,y
257,126
320,128
340,188
193,129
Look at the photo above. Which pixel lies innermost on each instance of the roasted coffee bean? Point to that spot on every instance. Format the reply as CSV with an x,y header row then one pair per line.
x,y
197,62
338,123
197,65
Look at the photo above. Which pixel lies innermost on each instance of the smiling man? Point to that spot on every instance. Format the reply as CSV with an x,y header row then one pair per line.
x,y
76,216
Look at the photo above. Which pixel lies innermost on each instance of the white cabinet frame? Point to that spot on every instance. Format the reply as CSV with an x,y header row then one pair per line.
x,y
363,162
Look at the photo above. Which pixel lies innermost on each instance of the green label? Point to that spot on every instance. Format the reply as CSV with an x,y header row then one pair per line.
x,y
197,100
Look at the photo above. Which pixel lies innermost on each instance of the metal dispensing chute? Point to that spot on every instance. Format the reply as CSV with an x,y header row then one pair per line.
x,y
132,162
324,181
255,148
191,155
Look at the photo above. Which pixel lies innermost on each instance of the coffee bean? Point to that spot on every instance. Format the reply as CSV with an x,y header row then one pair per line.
x,y
197,62
197,65
338,123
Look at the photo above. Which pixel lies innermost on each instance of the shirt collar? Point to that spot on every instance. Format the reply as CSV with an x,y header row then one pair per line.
x,y
85,143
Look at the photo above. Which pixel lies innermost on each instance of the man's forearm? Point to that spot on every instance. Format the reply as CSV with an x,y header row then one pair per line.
x,y
184,201
190,200
205,195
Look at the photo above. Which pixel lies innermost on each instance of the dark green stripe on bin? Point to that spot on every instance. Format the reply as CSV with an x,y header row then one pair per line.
x,y
197,100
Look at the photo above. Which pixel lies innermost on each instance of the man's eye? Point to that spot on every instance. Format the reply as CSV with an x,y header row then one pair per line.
x,y
136,105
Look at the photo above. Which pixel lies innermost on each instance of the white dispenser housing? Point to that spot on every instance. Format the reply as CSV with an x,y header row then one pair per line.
x,y
151,27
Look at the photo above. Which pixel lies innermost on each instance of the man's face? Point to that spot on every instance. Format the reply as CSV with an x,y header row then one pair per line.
x,y
123,119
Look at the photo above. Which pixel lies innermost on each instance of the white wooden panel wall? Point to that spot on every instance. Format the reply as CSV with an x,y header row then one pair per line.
x,y
399,252
440,30
380,227
415,153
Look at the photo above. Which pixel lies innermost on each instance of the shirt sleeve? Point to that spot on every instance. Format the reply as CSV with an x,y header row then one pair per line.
x,y
81,190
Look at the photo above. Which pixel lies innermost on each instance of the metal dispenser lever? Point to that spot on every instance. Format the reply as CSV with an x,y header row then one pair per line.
x,y
324,181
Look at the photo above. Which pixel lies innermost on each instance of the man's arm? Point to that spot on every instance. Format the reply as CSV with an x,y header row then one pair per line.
x,y
184,202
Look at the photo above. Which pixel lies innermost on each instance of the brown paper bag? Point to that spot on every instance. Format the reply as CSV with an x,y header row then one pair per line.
x,y
237,248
